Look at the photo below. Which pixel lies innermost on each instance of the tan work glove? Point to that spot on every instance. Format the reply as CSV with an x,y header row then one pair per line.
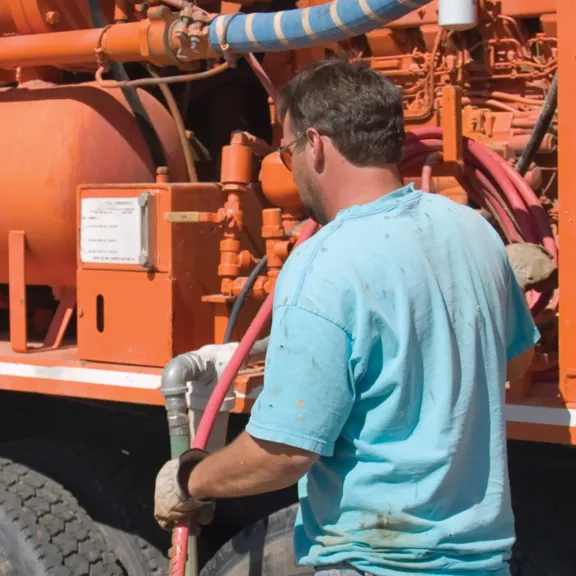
x,y
172,503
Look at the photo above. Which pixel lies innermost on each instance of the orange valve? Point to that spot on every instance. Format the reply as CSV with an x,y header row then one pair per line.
x,y
278,184
236,172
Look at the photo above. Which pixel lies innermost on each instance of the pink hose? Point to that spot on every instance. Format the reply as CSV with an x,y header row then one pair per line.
x,y
181,532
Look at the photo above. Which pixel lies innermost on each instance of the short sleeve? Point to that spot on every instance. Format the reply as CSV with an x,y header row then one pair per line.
x,y
521,332
307,395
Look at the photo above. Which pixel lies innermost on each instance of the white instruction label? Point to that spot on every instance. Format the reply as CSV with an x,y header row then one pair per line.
x,y
110,230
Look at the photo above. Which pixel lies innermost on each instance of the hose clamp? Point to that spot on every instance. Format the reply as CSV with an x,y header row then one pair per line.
x,y
101,57
227,52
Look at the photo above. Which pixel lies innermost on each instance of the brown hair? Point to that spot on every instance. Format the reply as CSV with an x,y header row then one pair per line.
x,y
358,109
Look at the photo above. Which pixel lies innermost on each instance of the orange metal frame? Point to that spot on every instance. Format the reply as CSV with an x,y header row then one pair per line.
x,y
567,208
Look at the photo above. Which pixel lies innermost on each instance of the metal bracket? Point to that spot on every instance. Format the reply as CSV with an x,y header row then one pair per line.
x,y
143,202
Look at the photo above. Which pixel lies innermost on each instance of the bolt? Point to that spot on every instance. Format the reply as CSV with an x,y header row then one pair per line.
x,y
52,17
80,313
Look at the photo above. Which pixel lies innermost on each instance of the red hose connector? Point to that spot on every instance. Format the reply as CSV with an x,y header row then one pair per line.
x,y
181,532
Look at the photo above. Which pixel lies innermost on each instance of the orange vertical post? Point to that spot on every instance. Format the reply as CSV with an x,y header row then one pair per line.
x,y
567,206
221,314
452,123
17,289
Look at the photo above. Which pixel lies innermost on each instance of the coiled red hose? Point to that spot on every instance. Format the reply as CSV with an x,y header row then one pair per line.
x,y
181,532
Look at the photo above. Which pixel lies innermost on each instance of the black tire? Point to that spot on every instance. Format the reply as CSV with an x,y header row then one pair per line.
x,y
114,490
43,530
263,549
542,480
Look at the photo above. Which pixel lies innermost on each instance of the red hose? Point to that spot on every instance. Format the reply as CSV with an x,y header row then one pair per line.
x,y
181,532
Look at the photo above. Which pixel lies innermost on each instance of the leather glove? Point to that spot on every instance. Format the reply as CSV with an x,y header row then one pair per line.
x,y
172,503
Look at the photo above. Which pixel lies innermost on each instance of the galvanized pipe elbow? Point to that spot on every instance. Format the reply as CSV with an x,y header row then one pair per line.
x,y
179,371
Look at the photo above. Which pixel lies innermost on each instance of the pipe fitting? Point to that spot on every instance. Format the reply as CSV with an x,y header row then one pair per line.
x,y
176,374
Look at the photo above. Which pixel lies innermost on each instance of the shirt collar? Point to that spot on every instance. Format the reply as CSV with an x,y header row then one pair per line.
x,y
385,202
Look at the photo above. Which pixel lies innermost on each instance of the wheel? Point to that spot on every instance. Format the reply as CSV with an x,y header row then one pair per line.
x,y
263,549
115,491
542,479
43,530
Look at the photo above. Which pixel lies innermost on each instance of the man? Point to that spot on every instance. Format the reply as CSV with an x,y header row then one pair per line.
x,y
394,331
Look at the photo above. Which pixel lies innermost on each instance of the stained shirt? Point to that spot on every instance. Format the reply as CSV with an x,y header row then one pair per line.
x,y
391,332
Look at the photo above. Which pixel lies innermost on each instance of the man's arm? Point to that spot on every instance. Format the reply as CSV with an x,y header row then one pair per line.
x,y
521,332
518,366
248,466
298,417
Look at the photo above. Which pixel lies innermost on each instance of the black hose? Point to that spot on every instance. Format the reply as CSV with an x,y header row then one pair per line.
x,y
132,98
246,289
250,281
541,128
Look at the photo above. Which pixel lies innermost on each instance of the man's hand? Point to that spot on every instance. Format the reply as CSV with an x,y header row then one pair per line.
x,y
172,504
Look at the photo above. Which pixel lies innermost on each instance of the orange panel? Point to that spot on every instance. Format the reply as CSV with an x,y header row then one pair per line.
x,y
59,372
151,316
125,317
82,390
17,286
541,433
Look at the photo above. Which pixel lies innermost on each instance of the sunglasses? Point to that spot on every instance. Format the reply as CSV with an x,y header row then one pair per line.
x,y
285,152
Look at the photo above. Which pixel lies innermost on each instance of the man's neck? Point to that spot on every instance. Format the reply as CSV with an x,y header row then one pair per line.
x,y
359,186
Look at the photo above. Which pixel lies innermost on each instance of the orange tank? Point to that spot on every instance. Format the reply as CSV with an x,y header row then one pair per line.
x,y
54,139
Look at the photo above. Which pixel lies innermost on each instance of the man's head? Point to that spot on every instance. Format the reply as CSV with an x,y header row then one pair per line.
x,y
341,121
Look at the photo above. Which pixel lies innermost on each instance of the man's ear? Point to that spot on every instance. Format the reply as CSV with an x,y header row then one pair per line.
x,y
317,148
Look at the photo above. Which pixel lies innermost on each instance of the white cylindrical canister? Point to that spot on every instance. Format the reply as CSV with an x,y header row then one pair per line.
x,y
197,397
458,14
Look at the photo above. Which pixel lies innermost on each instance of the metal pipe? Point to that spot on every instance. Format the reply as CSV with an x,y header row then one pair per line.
x,y
180,127
176,374
267,84
55,48
155,40
157,81
144,41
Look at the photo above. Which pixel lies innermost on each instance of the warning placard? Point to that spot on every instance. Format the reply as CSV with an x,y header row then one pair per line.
x,y
110,230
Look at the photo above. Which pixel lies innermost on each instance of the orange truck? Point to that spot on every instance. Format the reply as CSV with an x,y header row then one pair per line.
x,y
145,214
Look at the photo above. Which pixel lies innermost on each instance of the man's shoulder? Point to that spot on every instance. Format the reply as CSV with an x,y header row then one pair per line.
x,y
315,272
478,229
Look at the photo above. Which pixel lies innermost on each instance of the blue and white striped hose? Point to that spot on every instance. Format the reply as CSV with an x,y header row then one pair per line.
x,y
307,27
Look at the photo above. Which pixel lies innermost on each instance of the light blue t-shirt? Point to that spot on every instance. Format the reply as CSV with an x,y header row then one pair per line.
x,y
391,332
